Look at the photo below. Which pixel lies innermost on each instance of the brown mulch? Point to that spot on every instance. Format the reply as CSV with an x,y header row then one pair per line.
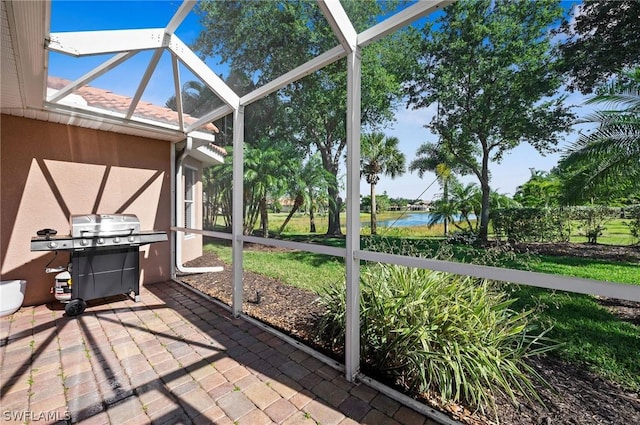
x,y
576,396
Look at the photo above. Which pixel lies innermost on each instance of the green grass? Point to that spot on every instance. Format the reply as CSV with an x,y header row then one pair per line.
x,y
300,269
616,232
592,337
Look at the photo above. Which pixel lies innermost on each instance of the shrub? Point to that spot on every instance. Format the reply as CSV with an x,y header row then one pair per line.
x,y
436,332
633,212
531,224
463,237
593,220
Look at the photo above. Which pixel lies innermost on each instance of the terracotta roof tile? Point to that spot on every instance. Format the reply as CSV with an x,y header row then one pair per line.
x,y
104,99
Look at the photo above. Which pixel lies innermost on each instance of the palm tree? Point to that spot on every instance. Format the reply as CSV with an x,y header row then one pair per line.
x,y
612,152
380,155
465,199
304,187
430,157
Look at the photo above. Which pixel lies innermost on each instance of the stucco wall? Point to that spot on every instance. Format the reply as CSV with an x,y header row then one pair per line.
x,y
51,171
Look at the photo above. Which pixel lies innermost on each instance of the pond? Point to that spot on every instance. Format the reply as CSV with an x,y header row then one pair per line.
x,y
409,220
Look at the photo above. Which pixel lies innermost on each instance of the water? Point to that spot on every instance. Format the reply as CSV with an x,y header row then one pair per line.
x,y
411,220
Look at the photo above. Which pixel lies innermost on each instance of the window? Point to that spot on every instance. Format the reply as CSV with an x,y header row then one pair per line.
x,y
190,175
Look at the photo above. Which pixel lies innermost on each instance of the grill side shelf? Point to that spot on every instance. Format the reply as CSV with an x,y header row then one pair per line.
x,y
52,244
68,243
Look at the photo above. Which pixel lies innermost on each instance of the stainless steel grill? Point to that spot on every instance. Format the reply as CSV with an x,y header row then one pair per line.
x,y
104,257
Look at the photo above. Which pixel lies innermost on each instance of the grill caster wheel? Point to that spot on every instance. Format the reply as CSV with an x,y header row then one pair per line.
x,y
75,307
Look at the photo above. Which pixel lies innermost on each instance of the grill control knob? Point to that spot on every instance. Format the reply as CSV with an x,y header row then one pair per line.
x,y
116,240
84,242
52,244
131,239
100,241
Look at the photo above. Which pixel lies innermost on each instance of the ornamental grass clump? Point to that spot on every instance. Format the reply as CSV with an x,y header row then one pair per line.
x,y
441,333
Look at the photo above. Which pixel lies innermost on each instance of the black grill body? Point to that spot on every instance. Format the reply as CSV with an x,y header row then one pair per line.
x,y
104,256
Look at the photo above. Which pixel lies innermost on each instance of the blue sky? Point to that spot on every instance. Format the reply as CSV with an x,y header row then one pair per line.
x,y
409,128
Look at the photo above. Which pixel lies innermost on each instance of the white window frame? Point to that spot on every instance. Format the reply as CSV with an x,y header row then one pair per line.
x,y
190,176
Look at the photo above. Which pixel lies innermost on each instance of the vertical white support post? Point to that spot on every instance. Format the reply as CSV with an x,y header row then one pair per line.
x,y
174,199
237,213
352,337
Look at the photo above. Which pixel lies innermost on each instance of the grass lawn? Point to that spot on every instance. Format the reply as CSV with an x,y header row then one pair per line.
x,y
616,231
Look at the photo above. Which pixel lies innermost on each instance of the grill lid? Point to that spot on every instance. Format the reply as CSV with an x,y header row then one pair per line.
x,y
96,225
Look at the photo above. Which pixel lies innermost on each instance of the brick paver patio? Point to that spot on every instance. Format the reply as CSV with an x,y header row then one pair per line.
x,y
172,358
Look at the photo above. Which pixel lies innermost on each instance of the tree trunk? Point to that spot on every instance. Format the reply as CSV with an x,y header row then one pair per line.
x,y
264,217
312,220
374,224
335,204
483,231
445,197
296,205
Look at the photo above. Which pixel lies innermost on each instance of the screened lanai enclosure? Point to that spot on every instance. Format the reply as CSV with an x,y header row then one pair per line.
x,y
245,95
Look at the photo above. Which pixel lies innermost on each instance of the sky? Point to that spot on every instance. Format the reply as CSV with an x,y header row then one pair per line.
x,y
514,170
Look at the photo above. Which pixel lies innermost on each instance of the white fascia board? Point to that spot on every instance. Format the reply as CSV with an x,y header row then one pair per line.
x,y
216,114
28,25
206,155
82,43
201,136
340,23
400,19
91,75
179,16
202,70
91,112
295,74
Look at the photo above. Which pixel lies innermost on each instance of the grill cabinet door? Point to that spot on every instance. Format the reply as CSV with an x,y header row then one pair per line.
x,y
99,273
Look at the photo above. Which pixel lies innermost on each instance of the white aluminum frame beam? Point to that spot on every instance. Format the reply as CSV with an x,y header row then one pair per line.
x,y
540,280
145,80
340,23
82,43
216,114
400,19
295,74
202,71
179,16
178,90
352,332
237,216
91,75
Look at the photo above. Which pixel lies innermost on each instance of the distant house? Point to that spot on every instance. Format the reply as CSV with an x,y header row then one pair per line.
x,y
419,206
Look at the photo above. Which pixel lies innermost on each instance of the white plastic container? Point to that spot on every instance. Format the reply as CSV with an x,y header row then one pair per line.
x,y
11,296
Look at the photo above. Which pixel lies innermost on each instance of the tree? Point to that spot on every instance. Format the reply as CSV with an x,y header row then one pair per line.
x,y
541,190
602,41
488,66
379,156
465,199
608,159
304,187
267,39
429,157
268,167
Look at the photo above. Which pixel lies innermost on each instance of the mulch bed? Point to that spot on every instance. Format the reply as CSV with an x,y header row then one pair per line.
x,y
576,396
